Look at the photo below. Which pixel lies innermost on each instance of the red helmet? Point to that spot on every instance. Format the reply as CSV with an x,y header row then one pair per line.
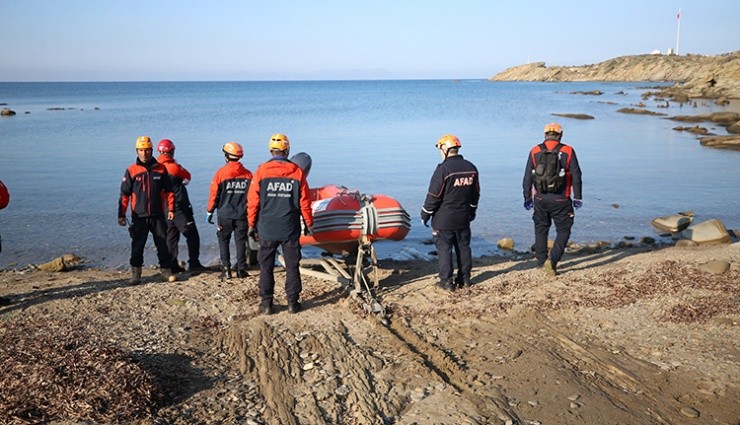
x,y
165,146
4,196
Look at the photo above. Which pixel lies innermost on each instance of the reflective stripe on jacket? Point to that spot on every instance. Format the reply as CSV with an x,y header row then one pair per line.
x,y
278,197
228,191
147,188
454,190
568,160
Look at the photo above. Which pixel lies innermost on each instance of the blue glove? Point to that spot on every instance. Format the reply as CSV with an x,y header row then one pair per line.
x,y
577,203
528,204
209,217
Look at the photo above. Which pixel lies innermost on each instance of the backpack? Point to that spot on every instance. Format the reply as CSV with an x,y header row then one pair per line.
x,y
549,175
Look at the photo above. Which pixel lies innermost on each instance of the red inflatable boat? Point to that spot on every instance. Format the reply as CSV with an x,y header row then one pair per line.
x,y
343,217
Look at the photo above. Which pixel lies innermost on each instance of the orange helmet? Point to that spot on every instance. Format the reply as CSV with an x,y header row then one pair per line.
x,y
143,142
165,146
448,141
233,149
279,142
553,127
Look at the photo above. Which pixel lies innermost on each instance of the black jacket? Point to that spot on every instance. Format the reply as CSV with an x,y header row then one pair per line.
x,y
453,194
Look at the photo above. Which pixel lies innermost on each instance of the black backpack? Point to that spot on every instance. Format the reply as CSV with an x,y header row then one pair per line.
x,y
549,175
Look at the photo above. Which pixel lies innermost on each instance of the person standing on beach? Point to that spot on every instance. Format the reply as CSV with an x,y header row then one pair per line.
x,y
228,194
552,174
184,221
278,197
4,201
451,203
146,186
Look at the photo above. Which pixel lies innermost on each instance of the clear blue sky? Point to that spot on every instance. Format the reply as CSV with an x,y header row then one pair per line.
x,y
155,40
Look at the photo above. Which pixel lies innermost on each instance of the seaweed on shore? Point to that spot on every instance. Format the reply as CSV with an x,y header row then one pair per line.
x,y
59,371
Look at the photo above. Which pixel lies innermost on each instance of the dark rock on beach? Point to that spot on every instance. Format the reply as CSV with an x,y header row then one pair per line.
x,y
695,129
575,116
639,111
589,93
722,142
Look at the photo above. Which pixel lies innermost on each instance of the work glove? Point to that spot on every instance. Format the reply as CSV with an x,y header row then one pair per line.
x,y
209,217
528,204
577,203
252,233
472,213
307,231
425,216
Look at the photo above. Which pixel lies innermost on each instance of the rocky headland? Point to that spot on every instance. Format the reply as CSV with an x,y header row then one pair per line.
x,y
696,76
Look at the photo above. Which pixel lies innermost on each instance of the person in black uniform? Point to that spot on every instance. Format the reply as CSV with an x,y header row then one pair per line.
x,y
277,201
147,188
552,202
451,203
184,222
4,200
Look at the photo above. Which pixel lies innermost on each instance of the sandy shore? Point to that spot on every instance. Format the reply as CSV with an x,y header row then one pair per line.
x,y
620,336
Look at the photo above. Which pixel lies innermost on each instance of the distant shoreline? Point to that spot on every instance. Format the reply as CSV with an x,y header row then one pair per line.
x,y
697,76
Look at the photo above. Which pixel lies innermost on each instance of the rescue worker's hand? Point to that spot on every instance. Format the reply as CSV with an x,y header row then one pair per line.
x,y
171,215
528,204
425,216
472,213
121,221
577,203
209,217
307,231
252,233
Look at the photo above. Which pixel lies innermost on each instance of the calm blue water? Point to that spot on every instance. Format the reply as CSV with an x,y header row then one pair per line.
x,y
64,167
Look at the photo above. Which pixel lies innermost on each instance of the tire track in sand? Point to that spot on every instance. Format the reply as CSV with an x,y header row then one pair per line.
x,y
313,376
447,368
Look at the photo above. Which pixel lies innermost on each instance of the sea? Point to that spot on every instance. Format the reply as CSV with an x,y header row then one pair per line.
x,y
64,152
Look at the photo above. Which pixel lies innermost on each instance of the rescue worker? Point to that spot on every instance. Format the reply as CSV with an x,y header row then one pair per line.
x,y
451,203
278,197
4,201
552,205
184,222
228,194
147,188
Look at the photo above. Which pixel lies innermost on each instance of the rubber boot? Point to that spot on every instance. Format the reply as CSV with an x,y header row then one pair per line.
x,y
135,275
549,269
226,273
167,275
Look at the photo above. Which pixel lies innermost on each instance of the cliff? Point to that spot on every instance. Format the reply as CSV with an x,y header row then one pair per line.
x,y
698,76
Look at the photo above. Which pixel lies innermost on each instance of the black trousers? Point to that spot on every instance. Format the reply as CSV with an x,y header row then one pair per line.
x,y
239,228
459,240
183,224
546,212
140,229
292,256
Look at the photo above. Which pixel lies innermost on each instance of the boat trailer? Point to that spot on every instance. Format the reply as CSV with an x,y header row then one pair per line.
x,y
359,280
